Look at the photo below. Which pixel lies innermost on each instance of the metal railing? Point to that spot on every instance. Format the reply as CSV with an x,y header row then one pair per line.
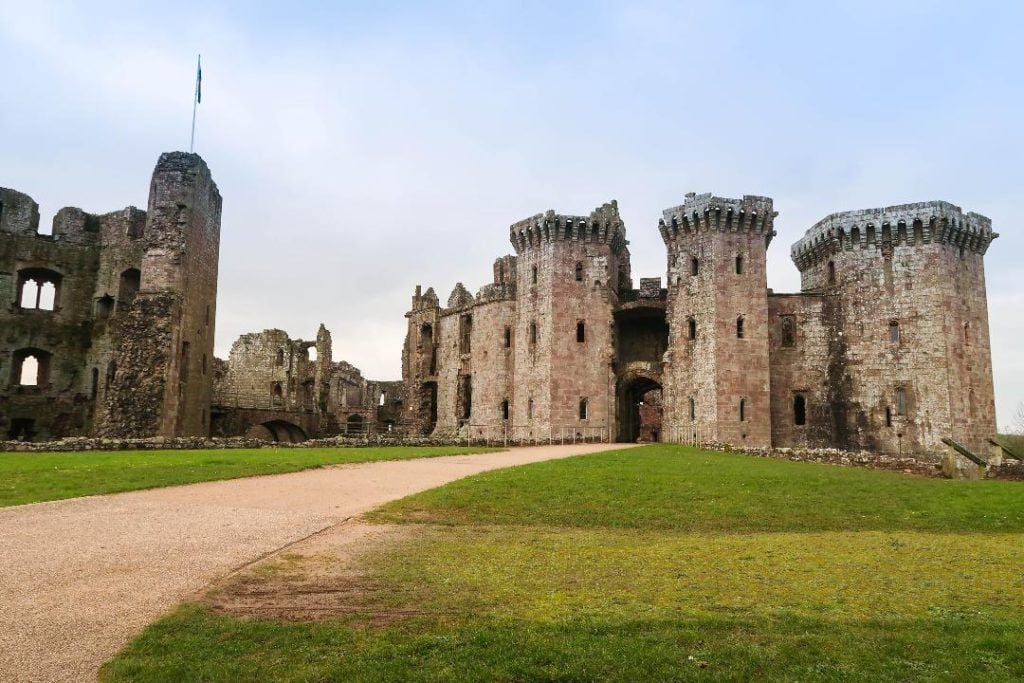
x,y
506,434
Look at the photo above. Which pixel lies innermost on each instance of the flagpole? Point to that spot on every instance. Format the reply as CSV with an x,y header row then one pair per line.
x,y
195,102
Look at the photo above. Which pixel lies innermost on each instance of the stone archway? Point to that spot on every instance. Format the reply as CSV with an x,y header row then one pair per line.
x,y
279,431
639,400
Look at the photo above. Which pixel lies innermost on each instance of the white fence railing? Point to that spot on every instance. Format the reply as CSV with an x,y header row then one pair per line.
x,y
518,434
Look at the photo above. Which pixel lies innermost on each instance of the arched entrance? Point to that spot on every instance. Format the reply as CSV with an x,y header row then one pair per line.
x,y
278,431
354,425
640,410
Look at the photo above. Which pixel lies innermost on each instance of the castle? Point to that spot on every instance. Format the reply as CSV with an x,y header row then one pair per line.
x,y
886,348
107,330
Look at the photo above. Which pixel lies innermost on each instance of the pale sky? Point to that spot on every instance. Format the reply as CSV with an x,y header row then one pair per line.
x,y
364,148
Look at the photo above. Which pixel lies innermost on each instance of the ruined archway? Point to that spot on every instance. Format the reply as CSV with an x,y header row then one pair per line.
x,y
639,409
278,431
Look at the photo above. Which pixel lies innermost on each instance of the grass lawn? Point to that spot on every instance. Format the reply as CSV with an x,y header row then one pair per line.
x,y
661,563
35,477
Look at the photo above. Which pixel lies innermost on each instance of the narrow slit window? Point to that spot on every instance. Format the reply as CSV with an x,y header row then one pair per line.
x,y
743,410
533,333
579,271
584,409
694,266
504,410
691,326
799,410
533,275
831,272
739,265
739,327
508,337
894,332
581,332
901,401
693,410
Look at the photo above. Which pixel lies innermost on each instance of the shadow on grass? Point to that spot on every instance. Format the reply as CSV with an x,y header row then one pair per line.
x,y
194,644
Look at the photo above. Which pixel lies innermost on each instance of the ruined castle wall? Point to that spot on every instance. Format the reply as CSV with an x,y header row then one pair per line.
x,y
61,404
491,366
531,405
798,359
452,364
904,370
162,384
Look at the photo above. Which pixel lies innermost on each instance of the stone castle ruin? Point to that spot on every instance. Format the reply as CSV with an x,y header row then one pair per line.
x,y
108,330
885,349
108,326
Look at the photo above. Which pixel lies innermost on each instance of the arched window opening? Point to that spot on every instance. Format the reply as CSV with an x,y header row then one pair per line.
x,y
739,265
788,330
901,401
694,266
128,287
894,332
280,357
743,410
31,368
38,289
579,271
831,272
739,327
691,328
311,354
581,332
584,409
104,307
276,393
799,410
504,410
354,424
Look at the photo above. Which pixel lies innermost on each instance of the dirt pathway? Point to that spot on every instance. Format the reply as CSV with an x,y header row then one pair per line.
x,y
80,577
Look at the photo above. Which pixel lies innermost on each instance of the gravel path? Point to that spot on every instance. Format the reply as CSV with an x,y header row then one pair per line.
x,y
80,577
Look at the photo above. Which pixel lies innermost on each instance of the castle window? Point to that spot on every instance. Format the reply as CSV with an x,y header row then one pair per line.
x,y
467,396
504,410
280,357
128,287
901,401
183,365
967,333
788,330
739,327
276,393
104,307
108,378
799,410
38,289
691,328
426,335
581,332
739,265
694,266
533,333
508,337
894,332
831,272
584,409
888,416
743,410
533,275
31,368
94,389
693,410
579,271
465,333
311,354
529,409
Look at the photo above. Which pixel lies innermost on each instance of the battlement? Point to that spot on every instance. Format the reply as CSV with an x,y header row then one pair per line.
x,y
703,212
920,223
603,226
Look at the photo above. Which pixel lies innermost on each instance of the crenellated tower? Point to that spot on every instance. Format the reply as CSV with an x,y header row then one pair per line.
x,y
909,359
569,272
716,368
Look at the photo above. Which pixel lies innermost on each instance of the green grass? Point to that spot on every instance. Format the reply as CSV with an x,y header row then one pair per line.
x,y
36,477
662,563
